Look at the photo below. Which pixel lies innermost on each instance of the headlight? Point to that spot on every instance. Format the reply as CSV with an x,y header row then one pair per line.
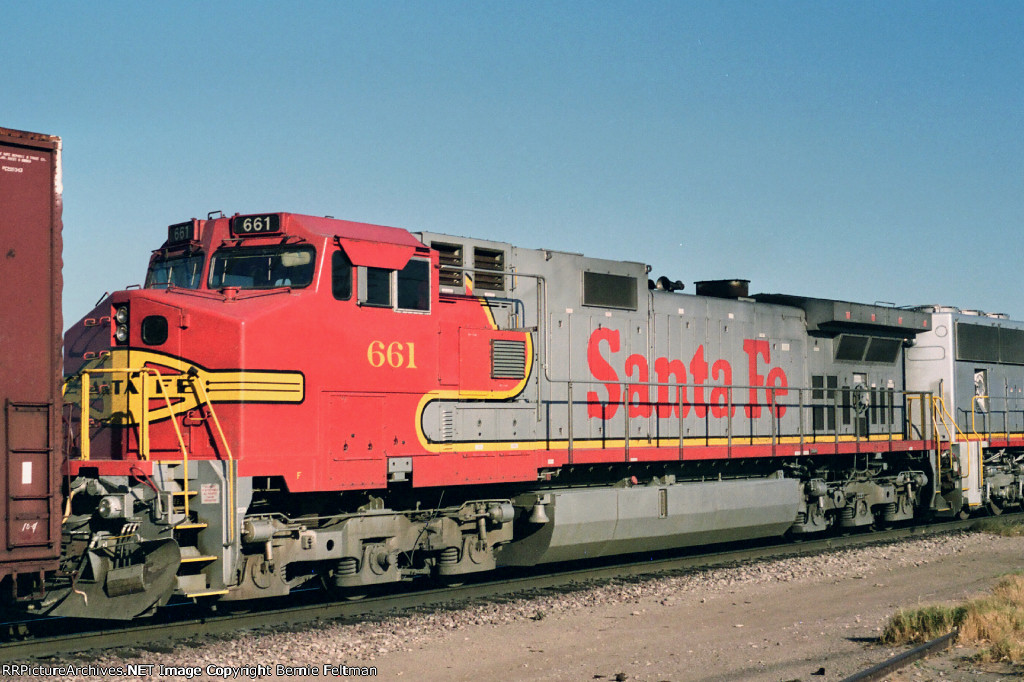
x,y
115,507
121,317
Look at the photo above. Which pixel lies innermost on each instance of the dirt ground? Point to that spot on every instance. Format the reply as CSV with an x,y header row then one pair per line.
x,y
796,618
804,630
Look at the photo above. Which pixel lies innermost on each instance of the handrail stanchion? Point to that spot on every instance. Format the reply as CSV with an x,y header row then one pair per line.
x,y
227,449
728,424
144,422
773,416
679,401
625,402
800,416
569,445
85,419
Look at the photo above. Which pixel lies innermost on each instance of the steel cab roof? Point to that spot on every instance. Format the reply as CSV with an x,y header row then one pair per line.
x,y
364,243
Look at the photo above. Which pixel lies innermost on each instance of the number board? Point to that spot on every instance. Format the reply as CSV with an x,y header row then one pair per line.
x,y
255,225
182,232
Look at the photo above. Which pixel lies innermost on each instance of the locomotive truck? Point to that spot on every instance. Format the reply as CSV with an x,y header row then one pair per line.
x,y
293,399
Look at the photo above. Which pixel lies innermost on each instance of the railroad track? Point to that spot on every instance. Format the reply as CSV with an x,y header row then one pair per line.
x,y
501,585
880,671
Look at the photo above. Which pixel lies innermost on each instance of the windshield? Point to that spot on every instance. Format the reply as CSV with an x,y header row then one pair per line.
x,y
181,271
262,267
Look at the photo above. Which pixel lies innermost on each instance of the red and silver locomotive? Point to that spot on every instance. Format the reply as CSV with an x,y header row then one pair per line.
x,y
293,398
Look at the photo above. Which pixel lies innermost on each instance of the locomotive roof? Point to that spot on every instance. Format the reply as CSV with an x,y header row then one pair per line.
x,y
365,244
347,229
828,315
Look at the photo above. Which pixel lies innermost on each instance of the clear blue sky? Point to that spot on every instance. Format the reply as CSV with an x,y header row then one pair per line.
x,y
868,151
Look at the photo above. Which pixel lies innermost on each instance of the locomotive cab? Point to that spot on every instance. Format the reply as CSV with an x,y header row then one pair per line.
x,y
180,261
208,396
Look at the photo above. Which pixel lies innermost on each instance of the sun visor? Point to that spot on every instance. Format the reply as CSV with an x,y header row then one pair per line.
x,y
377,254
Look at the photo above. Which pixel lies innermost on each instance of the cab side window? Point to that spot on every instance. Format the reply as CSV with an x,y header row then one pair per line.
x,y
414,286
407,289
341,276
378,287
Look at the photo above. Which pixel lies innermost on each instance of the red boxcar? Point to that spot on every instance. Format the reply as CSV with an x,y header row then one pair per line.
x,y
30,335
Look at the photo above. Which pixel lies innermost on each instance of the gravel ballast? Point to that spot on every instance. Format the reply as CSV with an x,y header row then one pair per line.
x,y
808,618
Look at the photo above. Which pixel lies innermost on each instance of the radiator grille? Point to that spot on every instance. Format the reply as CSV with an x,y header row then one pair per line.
x,y
447,425
508,359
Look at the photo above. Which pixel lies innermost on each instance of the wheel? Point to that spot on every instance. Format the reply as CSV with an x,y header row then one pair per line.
x,y
965,513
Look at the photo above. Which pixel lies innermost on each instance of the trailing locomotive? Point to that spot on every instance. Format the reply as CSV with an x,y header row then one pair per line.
x,y
292,398
973,363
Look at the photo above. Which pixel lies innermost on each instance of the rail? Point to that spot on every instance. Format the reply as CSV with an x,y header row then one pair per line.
x,y
143,423
974,404
227,449
942,421
191,624
885,668
979,422
731,417
143,437
85,402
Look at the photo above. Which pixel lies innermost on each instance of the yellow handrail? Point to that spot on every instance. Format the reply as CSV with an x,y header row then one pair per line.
x,y
981,469
948,418
939,407
942,405
974,402
940,419
85,446
227,448
143,422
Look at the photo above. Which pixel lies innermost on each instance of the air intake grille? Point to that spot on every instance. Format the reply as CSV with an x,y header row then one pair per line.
x,y
508,359
450,256
489,259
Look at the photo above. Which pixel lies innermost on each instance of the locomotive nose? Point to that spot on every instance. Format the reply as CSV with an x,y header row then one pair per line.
x,y
125,320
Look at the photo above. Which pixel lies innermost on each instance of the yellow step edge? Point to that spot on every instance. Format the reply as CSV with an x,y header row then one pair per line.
x,y
205,594
189,559
186,526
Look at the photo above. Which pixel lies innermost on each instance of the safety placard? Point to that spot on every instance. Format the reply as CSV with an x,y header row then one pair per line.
x,y
209,493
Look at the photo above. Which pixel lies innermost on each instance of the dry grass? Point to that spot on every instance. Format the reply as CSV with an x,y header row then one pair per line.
x,y
996,622
996,526
993,623
921,625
